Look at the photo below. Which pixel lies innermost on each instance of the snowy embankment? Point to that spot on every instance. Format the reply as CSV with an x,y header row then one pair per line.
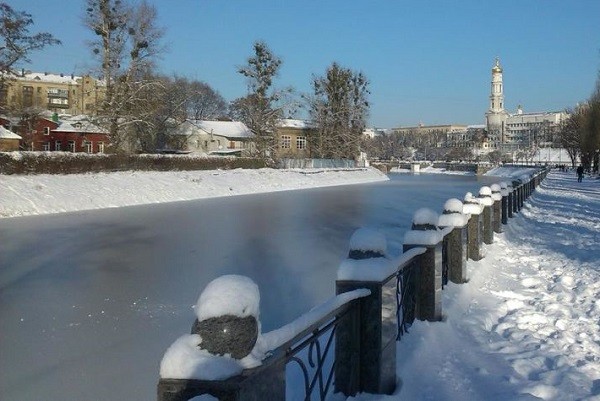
x,y
22,195
527,324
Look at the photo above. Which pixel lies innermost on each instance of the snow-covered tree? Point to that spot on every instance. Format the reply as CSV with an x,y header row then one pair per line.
x,y
263,106
339,109
16,43
127,44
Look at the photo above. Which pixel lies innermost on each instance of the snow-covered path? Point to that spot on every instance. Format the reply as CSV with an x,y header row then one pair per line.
x,y
527,325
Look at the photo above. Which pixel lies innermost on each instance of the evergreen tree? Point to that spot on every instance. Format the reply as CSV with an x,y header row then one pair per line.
x,y
339,109
262,107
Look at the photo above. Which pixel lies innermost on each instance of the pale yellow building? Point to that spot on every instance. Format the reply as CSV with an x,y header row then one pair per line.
x,y
61,93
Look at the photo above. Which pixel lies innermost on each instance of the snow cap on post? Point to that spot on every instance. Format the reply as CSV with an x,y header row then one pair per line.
x,y
424,229
504,191
472,205
367,257
453,214
367,243
229,295
496,192
485,196
227,312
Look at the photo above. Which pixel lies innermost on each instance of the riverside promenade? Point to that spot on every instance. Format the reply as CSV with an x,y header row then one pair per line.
x,y
527,325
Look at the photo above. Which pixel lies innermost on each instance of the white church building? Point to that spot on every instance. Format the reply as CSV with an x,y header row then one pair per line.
x,y
509,132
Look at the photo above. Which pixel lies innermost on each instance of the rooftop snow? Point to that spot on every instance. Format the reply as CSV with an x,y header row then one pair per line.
x,y
228,129
293,123
6,134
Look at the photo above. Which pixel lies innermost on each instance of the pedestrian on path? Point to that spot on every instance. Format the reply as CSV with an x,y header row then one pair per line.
x,y
580,173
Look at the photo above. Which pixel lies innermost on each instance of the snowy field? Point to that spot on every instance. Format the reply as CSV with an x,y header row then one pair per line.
x,y
22,195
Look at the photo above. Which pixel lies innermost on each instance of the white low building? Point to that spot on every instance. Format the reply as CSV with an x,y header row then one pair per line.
x,y
212,137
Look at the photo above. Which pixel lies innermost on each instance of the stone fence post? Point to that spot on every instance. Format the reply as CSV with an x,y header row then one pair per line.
x,y
473,209
456,240
497,208
224,325
504,202
518,192
424,233
485,197
509,200
365,341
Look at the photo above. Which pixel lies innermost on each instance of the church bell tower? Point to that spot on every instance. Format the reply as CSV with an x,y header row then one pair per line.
x,y
496,115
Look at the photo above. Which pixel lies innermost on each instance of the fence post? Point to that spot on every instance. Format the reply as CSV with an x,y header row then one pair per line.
x,y
485,196
456,241
509,200
222,327
424,233
518,190
365,341
473,208
504,202
497,207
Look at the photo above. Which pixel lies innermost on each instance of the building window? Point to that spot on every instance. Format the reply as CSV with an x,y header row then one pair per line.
x,y
46,130
88,146
301,142
27,96
46,146
71,146
286,142
57,145
100,147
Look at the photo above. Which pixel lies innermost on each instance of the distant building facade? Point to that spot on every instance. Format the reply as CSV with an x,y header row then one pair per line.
x,y
231,138
68,94
509,132
67,134
294,138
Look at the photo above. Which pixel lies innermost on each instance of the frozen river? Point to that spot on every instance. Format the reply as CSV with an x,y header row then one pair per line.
x,y
90,301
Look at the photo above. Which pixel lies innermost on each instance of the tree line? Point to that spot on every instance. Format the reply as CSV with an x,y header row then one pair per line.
x,y
580,133
140,105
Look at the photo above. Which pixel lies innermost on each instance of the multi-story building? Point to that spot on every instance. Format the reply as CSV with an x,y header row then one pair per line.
x,y
294,138
509,132
65,94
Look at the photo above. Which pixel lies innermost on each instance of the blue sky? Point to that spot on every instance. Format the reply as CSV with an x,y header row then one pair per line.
x,y
427,61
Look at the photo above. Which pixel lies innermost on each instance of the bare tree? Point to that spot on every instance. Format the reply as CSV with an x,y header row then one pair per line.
x,y
339,109
127,44
16,43
204,103
570,133
172,102
590,141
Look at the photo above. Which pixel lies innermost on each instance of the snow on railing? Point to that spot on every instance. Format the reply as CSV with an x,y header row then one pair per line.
x,y
378,298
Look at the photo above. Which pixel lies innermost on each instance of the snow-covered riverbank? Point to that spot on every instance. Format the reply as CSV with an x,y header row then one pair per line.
x,y
527,324
22,195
